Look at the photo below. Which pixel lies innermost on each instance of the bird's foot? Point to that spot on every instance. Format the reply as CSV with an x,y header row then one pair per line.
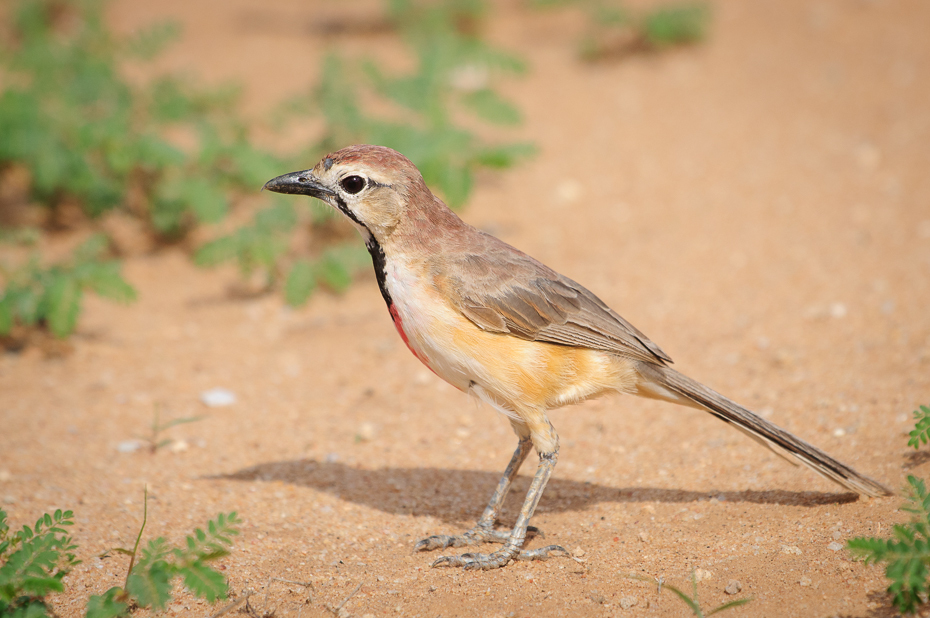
x,y
477,535
498,559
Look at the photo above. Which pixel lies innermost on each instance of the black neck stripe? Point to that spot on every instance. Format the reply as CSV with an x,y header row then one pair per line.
x,y
344,209
380,264
377,253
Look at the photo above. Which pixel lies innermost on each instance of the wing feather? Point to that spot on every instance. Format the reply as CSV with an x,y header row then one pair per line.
x,y
503,290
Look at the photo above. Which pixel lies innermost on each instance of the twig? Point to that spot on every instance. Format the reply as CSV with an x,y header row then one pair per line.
x,y
335,610
145,518
296,583
291,581
231,606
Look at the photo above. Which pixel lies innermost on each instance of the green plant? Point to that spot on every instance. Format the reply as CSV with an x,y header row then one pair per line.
x,y
692,601
614,30
453,72
152,440
907,554
26,236
86,135
149,579
921,431
50,296
33,561
177,156
675,24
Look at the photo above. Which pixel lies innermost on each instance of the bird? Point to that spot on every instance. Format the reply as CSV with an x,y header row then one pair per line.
x,y
503,327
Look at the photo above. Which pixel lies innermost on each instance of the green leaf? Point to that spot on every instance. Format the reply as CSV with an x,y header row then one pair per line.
x,y
280,217
105,280
729,605
42,586
300,283
151,587
252,167
34,608
149,42
62,303
203,581
6,315
206,201
153,153
334,272
921,432
455,184
907,554
217,251
676,24
488,105
501,157
106,606
91,249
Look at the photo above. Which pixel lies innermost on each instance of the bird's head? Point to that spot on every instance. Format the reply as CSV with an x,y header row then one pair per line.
x,y
375,187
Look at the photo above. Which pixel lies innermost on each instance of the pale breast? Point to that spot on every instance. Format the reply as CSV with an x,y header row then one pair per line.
x,y
517,372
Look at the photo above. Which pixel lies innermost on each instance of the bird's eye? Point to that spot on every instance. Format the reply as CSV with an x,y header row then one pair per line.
x,y
352,184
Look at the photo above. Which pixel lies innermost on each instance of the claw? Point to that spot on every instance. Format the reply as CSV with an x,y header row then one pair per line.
x,y
474,561
437,541
498,559
477,535
542,553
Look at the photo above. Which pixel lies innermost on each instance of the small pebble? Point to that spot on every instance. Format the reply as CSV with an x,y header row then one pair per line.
x,y
129,446
569,191
628,602
835,546
702,574
218,397
791,549
367,432
805,580
578,552
733,587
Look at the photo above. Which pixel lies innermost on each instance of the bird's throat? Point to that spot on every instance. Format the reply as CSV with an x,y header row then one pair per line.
x,y
380,263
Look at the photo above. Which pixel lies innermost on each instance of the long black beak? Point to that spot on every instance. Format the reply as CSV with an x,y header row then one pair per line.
x,y
299,183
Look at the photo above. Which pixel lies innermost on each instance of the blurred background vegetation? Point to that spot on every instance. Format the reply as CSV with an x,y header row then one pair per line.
x,y
170,160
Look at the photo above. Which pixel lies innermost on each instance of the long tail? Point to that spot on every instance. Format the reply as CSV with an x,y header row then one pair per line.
x,y
776,439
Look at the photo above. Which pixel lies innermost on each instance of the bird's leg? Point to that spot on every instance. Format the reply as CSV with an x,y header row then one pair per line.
x,y
484,531
512,549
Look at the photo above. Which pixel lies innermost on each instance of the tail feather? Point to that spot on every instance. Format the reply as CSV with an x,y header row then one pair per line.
x,y
776,439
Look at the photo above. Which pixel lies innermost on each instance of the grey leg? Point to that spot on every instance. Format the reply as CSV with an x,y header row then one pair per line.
x,y
484,531
512,548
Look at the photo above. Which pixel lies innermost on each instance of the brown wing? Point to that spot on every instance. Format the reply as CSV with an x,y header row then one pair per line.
x,y
503,290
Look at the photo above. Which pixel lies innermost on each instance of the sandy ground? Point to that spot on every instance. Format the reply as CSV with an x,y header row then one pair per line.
x,y
759,206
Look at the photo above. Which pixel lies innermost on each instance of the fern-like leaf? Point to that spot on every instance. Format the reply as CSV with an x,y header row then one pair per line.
x,y
907,555
106,606
151,585
204,581
299,285
921,432
61,304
